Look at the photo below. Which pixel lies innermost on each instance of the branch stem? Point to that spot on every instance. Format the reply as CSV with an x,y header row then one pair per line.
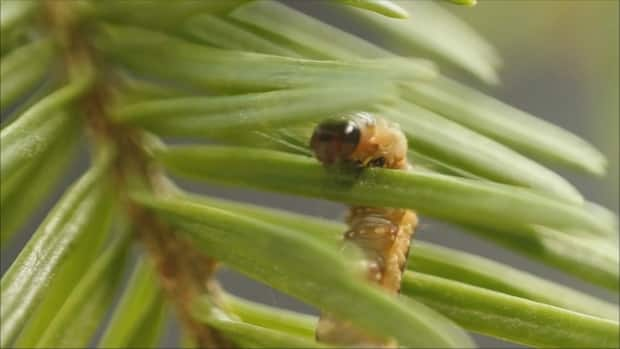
x,y
183,272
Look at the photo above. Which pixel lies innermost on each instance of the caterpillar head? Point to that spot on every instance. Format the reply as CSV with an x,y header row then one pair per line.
x,y
334,141
361,140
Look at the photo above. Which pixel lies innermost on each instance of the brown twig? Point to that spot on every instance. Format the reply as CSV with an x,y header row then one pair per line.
x,y
184,273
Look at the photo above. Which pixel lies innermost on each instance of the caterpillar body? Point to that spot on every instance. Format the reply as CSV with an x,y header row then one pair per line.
x,y
382,234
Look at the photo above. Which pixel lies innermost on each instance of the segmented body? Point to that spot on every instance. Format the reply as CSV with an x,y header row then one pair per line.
x,y
382,234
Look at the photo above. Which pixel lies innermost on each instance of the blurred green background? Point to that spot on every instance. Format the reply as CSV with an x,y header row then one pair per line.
x,y
561,64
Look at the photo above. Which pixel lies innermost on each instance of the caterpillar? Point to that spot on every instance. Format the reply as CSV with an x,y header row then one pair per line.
x,y
382,234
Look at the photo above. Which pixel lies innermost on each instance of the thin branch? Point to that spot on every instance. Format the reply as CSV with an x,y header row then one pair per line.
x,y
183,272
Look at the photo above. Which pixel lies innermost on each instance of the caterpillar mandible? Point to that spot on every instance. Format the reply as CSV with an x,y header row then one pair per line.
x,y
382,234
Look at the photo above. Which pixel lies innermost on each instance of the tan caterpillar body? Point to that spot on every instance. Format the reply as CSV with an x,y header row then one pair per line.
x,y
382,234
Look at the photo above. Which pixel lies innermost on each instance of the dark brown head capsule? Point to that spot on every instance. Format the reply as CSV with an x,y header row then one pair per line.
x,y
334,141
